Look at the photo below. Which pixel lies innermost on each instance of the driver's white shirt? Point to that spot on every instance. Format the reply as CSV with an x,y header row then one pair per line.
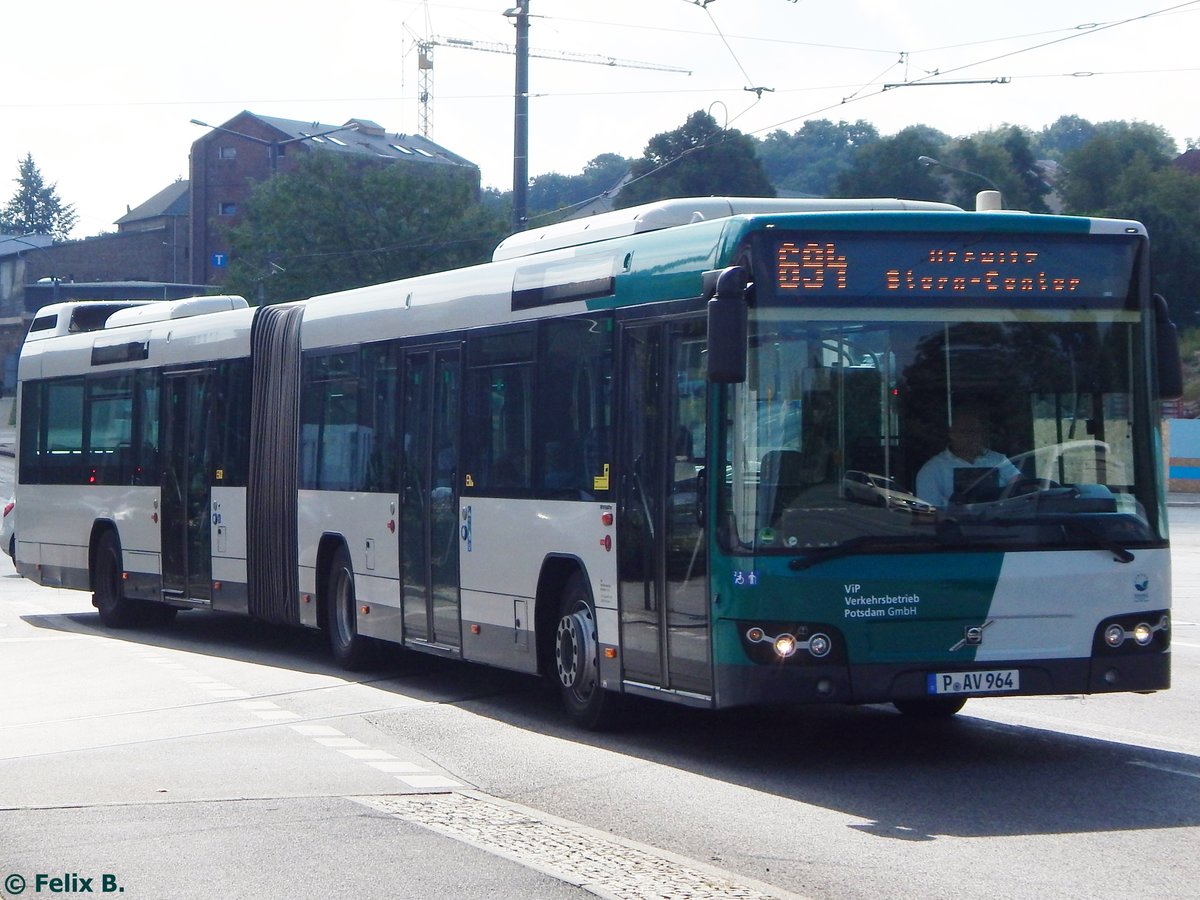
x,y
935,481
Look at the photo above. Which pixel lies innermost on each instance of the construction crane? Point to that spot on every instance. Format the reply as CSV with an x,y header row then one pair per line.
x,y
425,66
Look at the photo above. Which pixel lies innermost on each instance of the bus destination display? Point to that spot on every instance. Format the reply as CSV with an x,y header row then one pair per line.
x,y
946,267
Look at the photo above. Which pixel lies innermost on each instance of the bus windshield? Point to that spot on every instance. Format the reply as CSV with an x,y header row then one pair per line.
x,y
825,445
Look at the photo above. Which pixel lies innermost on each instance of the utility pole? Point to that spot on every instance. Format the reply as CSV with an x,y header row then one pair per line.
x,y
520,14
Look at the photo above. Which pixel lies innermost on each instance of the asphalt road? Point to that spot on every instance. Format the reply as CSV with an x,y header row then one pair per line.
x,y
218,757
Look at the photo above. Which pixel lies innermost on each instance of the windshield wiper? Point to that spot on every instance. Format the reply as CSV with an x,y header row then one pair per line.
x,y
1120,552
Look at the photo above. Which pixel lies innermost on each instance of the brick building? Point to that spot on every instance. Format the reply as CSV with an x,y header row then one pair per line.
x,y
230,158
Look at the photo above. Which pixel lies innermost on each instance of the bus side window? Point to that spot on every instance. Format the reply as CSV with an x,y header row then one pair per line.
x,y
573,411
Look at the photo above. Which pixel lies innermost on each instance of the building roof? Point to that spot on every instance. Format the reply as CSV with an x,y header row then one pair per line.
x,y
170,201
1189,162
365,137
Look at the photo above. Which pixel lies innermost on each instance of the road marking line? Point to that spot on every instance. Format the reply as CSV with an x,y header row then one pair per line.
x,y
230,694
398,765
1158,768
339,742
315,730
258,704
277,715
366,753
426,782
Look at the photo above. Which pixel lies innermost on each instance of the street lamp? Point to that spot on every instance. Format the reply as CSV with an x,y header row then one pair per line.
x,y
273,146
930,161
991,199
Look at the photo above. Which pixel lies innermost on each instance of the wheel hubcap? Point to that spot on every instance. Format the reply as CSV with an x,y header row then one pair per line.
x,y
576,658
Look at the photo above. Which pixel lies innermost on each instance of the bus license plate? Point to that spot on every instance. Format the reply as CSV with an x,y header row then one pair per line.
x,y
974,682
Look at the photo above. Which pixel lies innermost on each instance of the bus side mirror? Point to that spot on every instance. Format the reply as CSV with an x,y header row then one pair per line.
x,y
1166,352
728,324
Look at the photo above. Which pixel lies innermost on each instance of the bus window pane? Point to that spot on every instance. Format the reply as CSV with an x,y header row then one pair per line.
x,y
499,429
62,460
110,430
575,408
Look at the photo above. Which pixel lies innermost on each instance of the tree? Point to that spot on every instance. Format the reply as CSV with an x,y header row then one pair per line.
x,y
336,223
698,159
1064,134
36,208
809,160
552,192
1167,201
1092,170
889,167
1005,157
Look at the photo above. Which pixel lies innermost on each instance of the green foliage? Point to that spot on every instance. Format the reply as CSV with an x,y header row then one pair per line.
x,y
337,223
698,159
552,192
1092,169
810,160
889,168
35,208
1167,201
1003,156
1064,134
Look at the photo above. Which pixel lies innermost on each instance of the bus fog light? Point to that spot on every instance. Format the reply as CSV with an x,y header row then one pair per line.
x,y
1143,634
754,635
785,646
819,645
1164,624
1114,635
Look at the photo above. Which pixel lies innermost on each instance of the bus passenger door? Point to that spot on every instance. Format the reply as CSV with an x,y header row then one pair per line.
x,y
185,488
662,560
429,499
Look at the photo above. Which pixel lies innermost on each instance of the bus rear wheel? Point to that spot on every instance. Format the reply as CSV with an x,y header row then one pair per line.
x,y
108,586
351,649
577,660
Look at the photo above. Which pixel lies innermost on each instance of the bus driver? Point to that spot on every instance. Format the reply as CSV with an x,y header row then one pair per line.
x,y
967,439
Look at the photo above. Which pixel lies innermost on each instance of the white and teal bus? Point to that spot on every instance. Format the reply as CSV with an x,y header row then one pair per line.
x,y
670,451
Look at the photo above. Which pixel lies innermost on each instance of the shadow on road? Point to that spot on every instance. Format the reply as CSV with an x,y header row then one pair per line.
x,y
910,780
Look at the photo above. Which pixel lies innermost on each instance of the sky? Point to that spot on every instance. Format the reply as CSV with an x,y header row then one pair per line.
x,y
101,94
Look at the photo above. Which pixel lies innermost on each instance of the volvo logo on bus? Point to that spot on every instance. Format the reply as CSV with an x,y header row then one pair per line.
x,y
972,636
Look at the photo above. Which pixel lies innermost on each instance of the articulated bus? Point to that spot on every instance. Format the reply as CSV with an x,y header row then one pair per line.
x,y
671,451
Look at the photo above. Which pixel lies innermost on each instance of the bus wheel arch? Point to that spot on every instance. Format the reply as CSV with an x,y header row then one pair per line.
x,y
552,581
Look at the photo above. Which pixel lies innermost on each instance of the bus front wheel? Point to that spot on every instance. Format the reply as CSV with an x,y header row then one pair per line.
x,y
351,649
577,660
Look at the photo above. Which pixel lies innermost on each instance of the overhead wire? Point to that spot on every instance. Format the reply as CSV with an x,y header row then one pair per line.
x,y
1074,34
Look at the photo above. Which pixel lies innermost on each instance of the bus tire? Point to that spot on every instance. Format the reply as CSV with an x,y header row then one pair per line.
x,y
577,660
108,587
351,650
930,707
